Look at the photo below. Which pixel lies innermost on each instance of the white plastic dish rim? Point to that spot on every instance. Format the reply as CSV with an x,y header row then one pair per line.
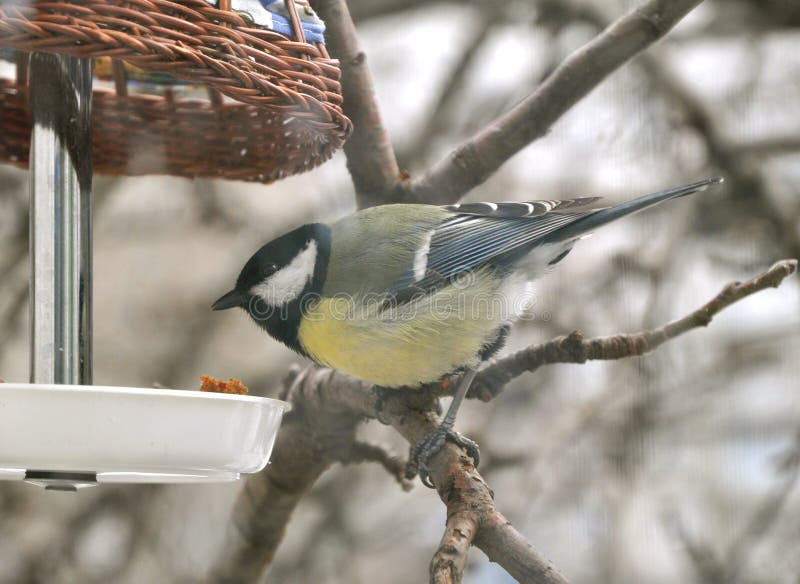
x,y
145,391
188,469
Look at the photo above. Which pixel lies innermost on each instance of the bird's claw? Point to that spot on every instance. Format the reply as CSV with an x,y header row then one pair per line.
x,y
470,446
421,453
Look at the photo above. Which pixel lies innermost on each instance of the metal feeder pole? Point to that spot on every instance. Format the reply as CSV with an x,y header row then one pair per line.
x,y
60,94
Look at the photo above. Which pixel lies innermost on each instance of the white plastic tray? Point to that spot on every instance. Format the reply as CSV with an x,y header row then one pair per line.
x,y
68,436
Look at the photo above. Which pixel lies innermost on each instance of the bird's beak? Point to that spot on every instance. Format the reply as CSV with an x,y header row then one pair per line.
x,y
232,299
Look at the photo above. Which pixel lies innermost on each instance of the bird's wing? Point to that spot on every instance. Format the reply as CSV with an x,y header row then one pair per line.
x,y
478,234
498,234
521,209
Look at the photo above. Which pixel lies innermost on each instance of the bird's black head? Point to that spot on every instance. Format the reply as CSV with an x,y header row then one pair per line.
x,y
280,279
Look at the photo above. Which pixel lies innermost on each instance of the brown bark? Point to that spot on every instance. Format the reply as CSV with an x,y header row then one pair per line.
x,y
481,156
370,157
328,405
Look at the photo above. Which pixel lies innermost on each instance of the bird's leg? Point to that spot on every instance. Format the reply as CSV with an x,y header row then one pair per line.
x,y
426,448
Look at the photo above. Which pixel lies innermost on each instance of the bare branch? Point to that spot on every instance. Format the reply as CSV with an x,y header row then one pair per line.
x,y
470,502
473,162
265,506
370,157
704,560
471,516
328,405
738,163
768,146
434,124
364,452
499,539
730,566
447,565
769,511
742,173
305,447
573,348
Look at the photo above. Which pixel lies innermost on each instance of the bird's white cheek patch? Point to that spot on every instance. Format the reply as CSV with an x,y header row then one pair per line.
x,y
287,283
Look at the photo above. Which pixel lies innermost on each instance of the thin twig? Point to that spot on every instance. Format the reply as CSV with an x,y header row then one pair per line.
x,y
447,565
359,452
769,511
499,539
472,517
434,124
741,171
730,566
704,560
738,163
768,146
573,348
476,160
370,157
328,405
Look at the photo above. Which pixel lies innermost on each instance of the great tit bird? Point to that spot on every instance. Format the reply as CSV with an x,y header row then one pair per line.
x,y
404,295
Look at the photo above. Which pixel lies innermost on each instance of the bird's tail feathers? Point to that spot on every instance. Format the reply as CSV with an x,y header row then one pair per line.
x,y
598,218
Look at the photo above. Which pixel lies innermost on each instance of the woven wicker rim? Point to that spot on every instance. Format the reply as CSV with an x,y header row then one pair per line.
x,y
148,134
190,40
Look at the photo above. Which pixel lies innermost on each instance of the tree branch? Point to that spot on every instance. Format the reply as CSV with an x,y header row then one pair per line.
x,y
736,162
741,171
307,444
434,124
730,565
370,157
470,505
499,539
365,452
476,160
573,348
447,565
328,405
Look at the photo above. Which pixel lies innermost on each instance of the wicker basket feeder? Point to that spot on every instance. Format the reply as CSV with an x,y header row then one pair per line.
x,y
281,113
273,109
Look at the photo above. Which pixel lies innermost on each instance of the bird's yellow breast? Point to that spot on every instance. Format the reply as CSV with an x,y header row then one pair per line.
x,y
414,343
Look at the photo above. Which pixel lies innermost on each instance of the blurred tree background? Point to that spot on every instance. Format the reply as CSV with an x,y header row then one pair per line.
x,y
680,466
